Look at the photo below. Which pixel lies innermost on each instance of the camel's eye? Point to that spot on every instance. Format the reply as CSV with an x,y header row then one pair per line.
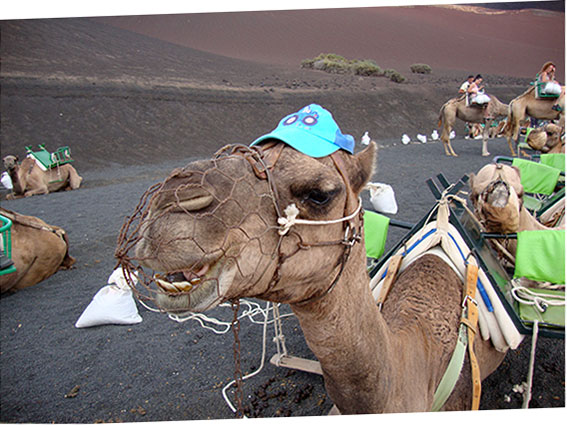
x,y
319,197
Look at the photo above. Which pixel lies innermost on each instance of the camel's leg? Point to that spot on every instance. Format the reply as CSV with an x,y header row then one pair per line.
x,y
485,133
445,137
513,136
74,179
43,190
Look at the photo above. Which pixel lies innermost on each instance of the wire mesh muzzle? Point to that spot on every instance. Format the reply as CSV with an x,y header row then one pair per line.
x,y
207,214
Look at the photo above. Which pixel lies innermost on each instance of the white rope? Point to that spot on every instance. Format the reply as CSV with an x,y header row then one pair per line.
x,y
291,219
528,390
540,300
223,327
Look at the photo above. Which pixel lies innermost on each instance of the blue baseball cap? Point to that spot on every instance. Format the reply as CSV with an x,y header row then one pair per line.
x,y
313,131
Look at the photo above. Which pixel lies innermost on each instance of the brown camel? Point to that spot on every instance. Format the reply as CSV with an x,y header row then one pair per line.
x,y
38,251
547,139
527,105
457,108
496,195
28,179
218,231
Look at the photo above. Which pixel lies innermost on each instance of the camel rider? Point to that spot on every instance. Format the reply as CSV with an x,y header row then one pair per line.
x,y
476,94
549,86
465,85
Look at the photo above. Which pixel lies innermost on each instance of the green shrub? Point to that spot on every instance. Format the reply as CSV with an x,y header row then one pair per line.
x,y
333,63
394,75
420,68
366,67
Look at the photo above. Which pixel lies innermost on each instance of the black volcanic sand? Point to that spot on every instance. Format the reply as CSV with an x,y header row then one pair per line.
x,y
128,125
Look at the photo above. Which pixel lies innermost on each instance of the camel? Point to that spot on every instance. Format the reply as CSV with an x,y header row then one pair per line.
x,y
38,251
496,195
28,179
457,108
547,139
217,231
528,105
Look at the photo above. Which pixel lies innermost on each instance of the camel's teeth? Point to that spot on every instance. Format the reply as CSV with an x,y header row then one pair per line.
x,y
175,287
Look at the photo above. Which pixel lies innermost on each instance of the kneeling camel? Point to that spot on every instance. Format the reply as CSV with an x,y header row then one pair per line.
x,y
28,179
38,251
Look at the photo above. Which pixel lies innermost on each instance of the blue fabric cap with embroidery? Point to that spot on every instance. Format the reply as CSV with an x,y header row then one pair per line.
x,y
313,131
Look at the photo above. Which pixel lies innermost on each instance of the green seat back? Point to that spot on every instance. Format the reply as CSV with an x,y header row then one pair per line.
x,y
375,233
537,177
556,160
540,256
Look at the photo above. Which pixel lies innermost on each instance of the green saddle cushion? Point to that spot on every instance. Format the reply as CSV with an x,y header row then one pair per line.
x,y
556,160
540,256
537,177
375,233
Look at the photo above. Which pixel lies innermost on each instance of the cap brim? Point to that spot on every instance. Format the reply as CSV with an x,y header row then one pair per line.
x,y
302,141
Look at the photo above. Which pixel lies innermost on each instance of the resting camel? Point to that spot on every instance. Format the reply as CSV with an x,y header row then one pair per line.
x,y
28,179
38,251
496,195
547,139
231,227
457,108
527,105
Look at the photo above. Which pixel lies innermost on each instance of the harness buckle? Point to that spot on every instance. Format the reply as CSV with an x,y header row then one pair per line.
x,y
468,297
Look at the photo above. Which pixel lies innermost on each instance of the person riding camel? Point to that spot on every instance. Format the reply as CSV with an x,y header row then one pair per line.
x,y
476,95
547,83
463,88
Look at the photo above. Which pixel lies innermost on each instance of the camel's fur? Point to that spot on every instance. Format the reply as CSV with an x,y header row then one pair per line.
x,y
372,361
500,209
38,251
28,179
527,105
457,108
547,139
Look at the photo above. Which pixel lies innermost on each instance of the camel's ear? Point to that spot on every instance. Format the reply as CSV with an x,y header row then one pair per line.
x,y
363,167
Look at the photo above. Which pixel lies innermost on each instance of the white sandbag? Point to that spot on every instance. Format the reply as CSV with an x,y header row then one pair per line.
x,y
382,198
365,139
6,181
406,139
113,304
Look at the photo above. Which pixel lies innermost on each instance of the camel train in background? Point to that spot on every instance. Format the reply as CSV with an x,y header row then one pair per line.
x,y
538,102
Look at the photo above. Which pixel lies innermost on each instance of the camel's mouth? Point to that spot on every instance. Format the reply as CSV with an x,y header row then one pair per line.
x,y
195,289
181,281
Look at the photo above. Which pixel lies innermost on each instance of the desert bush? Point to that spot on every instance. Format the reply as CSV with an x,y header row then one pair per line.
x,y
366,67
420,68
330,63
394,76
333,63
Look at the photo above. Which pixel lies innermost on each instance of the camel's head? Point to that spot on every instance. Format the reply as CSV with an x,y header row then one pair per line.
x,y
214,230
496,194
10,162
546,138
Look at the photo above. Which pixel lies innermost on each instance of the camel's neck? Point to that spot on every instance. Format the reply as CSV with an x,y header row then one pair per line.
x,y
17,186
529,222
352,342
